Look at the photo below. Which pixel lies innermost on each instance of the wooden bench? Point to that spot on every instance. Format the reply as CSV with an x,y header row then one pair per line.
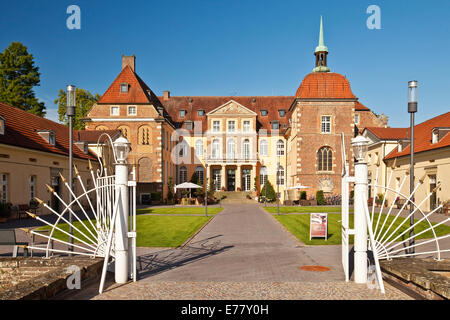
x,y
8,238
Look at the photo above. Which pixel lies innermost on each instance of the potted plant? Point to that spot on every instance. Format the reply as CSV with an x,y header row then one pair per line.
x,y
379,199
5,211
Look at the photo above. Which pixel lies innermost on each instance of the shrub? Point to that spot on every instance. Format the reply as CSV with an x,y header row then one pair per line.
x,y
268,192
302,195
156,196
379,199
352,194
320,198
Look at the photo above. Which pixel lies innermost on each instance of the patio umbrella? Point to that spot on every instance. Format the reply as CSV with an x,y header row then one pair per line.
x,y
187,185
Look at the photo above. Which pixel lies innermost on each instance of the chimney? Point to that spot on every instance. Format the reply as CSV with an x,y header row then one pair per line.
x,y
166,95
129,61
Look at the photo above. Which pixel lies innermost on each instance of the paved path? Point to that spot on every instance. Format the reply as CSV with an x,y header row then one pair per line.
x,y
243,253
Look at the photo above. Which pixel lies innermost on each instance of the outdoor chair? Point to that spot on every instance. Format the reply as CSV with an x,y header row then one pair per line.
x,y
8,238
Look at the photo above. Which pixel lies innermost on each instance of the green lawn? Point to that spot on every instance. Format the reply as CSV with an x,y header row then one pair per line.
x,y
298,225
299,209
179,210
152,231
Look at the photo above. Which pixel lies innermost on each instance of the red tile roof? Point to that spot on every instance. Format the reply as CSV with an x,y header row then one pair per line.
x,y
91,136
360,107
138,91
422,137
192,104
21,130
325,85
389,133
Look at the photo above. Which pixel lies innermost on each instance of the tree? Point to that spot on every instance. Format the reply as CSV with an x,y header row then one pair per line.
x,y
320,198
170,189
84,100
196,180
268,192
18,76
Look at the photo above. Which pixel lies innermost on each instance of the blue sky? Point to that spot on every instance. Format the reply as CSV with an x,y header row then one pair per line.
x,y
209,47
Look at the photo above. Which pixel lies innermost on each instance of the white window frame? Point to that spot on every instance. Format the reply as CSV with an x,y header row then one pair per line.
x,y
280,176
201,174
215,152
199,148
233,129
324,123
246,128
51,138
231,148
183,174
111,113
246,149
280,147
123,85
264,152
263,175
214,123
129,113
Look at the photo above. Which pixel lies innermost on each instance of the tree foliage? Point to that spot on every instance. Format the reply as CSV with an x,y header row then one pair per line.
x,y
320,197
18,76
268,192
84,101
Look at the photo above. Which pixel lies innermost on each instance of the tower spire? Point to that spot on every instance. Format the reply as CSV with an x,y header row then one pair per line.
x,y
321,52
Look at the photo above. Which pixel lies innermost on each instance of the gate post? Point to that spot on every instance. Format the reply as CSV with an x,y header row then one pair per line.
x,y
360,224
122,148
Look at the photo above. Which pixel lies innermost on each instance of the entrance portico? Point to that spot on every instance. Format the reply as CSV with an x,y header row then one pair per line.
x,y
233,177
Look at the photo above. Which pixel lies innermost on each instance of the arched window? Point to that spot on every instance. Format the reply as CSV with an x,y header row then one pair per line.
x,y
200,174
246,149
280,148
199,148
325,159
262,175
183,174
216,149
125,131
263,148
280,176
231,149
144,135
101,128
183,148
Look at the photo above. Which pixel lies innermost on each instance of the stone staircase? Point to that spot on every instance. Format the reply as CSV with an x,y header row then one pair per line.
x,y
235,197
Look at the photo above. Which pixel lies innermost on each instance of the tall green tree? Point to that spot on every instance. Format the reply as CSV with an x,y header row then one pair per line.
x,y
84,100
18,76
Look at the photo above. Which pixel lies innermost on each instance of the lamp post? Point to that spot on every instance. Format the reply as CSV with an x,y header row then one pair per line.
x,y
360,146
70,111
122,149
278,187
412,108
206,192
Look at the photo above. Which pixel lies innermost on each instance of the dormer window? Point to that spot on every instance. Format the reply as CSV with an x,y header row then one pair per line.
x,y
264,112
124,87
282,113
435,136
182,113
52,138
2,125
275,125
200,113
48,135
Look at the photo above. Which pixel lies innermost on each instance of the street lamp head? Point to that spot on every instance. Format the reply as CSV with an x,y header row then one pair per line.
x,y
122,148
360,146
412,96
71,99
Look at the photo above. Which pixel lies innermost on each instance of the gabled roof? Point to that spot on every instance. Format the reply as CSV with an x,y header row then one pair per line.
x,y
423,136
138,91
388,133
231,103
208,103
21,130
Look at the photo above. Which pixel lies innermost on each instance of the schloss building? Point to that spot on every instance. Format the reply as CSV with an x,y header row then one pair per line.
x,y
241,139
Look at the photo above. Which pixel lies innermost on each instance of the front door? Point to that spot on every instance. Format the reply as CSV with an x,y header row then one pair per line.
x,y
246,183
231,179
433,198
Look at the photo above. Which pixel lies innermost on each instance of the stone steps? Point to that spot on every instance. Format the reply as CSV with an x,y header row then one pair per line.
x,y
235,197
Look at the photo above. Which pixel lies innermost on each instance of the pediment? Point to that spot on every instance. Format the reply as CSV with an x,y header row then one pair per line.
x,y
231,108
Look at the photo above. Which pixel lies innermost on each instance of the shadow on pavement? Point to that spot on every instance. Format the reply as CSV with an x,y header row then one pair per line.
x,y
164,260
